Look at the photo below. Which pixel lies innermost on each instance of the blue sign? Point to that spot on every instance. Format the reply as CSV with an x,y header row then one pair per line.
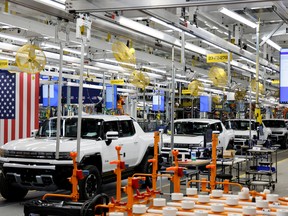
x,y
284,76
111,96
205,104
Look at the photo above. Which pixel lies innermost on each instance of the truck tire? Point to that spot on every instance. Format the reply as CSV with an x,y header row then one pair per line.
x,y
10,192
146,167
90,186
230,145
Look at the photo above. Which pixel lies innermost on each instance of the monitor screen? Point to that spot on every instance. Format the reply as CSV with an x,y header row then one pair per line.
x,y
158,102
283,76
205,104
50,91
111,96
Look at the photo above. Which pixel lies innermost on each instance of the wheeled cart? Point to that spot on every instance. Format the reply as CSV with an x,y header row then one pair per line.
x,y
262,167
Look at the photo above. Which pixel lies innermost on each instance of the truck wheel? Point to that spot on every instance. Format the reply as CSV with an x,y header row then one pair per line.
x,y
10,192
147,168
90,186
230,145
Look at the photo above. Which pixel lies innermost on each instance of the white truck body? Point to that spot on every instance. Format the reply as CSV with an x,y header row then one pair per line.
x,y
30,164
193,139
279,131
242,130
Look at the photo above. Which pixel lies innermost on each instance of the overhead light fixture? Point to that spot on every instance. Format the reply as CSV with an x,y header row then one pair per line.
x,y
178,80
123,63
204,80
5,57
165,24
56,67
91,67
237,17
251,46
154,69
189,34
248,60
55,46
180,76
153,75
273,44
210,44
56,4
13,37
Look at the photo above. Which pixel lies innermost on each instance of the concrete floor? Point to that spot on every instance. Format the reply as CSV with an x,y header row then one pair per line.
x,y
16,208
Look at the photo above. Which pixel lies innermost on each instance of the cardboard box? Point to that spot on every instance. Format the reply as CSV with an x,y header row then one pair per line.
x,y
229,153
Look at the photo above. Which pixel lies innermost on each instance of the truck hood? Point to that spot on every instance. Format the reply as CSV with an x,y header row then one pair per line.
x,y
193,140
44,144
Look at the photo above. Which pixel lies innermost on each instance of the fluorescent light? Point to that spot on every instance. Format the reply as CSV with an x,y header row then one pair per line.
x,y
55,46
52,3
119,63
237,17
180,76
4,57
155,69
251,46
178,80
56,67
210,44
204,80
165,24
154,75
248,60
91,67
189,34
12,37
273,44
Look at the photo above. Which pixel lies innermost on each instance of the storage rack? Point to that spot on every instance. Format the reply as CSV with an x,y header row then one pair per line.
x,y
260,168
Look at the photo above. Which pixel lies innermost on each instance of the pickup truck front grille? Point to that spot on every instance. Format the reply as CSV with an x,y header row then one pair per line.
x,y
36,155
277,132
181,145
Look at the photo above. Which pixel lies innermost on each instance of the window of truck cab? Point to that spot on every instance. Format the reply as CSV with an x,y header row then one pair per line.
x,y
90,128
125,128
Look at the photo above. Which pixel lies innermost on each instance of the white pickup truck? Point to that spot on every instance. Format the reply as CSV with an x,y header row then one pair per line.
x,y
242,130
279,131
30,164
189,136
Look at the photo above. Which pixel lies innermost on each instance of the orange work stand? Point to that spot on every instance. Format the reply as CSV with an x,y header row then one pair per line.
x,y
120,165
76,175
178,172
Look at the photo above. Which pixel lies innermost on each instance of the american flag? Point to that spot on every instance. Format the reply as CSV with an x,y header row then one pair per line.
x,y
19,105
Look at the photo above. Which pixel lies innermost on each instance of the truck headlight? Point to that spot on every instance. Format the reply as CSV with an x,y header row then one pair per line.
x,y
2,152
167,145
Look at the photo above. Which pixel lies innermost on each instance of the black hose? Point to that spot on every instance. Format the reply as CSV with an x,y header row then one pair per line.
x,y
90,204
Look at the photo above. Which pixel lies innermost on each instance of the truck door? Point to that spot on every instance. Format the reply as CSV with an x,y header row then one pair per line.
x,y
221,137
109,152
129,141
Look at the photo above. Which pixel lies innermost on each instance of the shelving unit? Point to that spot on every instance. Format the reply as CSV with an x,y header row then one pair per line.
x,y
262,168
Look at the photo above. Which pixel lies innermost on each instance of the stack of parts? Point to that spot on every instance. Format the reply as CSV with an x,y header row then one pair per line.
x,y
218,203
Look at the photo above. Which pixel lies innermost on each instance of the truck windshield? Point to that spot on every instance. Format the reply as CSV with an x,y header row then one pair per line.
x,y
242,125
91,128
190,128
274,124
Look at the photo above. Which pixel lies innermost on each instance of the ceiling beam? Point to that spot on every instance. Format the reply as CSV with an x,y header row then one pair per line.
x,y
208,36
114,5
44,8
